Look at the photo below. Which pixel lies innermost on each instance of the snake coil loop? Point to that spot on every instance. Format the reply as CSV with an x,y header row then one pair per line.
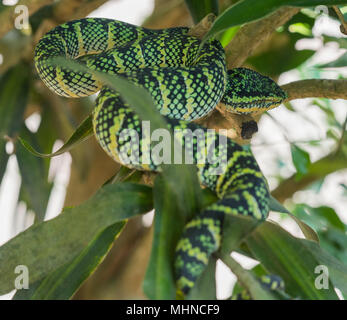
x,y
186,84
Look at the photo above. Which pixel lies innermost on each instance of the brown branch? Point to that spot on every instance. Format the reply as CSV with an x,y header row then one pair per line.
x,y
246,40
8,15
200,29
167,14
339,14
317,88
317,170
253,34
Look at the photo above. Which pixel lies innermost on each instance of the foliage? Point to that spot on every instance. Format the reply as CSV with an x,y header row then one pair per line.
x,y
63,252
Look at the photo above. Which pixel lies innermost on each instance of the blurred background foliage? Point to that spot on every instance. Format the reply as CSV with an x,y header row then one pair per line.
x,y
30,111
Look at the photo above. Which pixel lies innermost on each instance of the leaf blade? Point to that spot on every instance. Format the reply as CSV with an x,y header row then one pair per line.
x,y
200,8
82,133
282,254
111,204
251,10
65,281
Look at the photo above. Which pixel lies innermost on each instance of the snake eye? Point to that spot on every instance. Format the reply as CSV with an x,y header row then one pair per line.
x,y
248,91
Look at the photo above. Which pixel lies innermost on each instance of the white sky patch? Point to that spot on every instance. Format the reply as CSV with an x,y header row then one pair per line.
x,y
60,168
9,2
131,11
9,192
33,122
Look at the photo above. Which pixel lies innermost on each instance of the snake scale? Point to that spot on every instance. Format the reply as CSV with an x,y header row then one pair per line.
x,y
186,83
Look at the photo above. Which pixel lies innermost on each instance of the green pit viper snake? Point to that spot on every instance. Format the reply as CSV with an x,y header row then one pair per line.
x,y
186,84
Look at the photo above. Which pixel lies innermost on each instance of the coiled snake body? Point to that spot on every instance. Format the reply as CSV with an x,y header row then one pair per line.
x,y
186,84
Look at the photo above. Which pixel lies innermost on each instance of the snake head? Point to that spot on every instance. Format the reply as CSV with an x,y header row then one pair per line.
x,y
248,91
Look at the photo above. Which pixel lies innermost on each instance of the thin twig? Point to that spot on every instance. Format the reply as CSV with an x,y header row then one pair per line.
x,y
201,28
318,88
343,134
251,35
316,171
343,26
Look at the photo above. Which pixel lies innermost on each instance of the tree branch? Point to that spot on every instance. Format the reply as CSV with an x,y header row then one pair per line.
x,y
317,170
253,34
317,88
249,37
343,26
200,29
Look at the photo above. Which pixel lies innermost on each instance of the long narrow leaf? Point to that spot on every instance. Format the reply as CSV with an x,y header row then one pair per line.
x,y
200,8
205,288
249,10
64,282
291,258
14,89
177,197
49,245
83,132
308,232
35,188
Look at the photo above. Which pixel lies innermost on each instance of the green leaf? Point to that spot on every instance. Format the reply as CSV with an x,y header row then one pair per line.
x,y
301,160
321,217
329,215
122,175
337,270
250,10
205,287
281,57
48,245
14,89
308,232
341,41
177,197
200,8
189,194
279,54
235,230
35,188
159,281
334,241
228,35
292,259
3,158
82,133
64,282
338,63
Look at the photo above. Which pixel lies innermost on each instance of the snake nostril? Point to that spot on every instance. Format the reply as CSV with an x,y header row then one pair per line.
x,y
248,129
